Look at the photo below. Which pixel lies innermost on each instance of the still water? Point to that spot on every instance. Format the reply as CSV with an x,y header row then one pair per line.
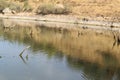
x,y
56,53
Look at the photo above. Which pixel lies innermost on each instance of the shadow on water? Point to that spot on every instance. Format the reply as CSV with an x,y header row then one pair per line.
x,y
90,51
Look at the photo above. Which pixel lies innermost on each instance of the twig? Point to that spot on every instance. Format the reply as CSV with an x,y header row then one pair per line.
x,y
24,50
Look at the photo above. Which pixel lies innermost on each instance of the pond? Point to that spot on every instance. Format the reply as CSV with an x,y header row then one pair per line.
x,y
56,52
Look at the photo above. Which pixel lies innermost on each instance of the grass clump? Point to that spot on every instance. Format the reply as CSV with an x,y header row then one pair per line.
x,y
50,8
26,7
11,5
15,7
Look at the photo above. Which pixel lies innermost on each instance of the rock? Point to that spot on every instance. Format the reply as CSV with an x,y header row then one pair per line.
x,y
60,6
7,11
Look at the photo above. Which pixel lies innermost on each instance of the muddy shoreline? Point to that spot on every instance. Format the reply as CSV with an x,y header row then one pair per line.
x,y
65,20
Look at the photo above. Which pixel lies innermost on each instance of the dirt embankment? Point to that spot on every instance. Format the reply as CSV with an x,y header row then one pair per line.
x,y
68,19
95,12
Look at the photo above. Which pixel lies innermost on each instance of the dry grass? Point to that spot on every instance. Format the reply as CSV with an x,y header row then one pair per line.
x,y
86,8
52,9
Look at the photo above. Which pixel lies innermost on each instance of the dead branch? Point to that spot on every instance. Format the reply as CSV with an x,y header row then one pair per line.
x,y
24,50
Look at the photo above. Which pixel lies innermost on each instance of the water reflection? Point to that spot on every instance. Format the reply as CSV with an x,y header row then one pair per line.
x,y
86,50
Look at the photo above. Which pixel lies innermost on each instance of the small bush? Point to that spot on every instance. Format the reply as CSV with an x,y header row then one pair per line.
x,y
45,9
52,9
15,7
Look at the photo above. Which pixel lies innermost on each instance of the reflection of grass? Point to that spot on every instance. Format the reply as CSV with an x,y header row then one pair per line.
x,y
85,47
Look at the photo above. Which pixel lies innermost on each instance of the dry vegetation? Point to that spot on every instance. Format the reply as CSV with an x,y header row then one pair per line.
x,y
87,8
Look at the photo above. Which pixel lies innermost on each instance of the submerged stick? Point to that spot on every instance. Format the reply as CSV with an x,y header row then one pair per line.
x,y
24,50
23,59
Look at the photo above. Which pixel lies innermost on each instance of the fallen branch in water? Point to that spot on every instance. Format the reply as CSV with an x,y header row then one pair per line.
x,y
24,50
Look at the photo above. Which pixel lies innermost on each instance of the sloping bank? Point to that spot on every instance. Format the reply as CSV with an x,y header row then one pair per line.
x,y
67,20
